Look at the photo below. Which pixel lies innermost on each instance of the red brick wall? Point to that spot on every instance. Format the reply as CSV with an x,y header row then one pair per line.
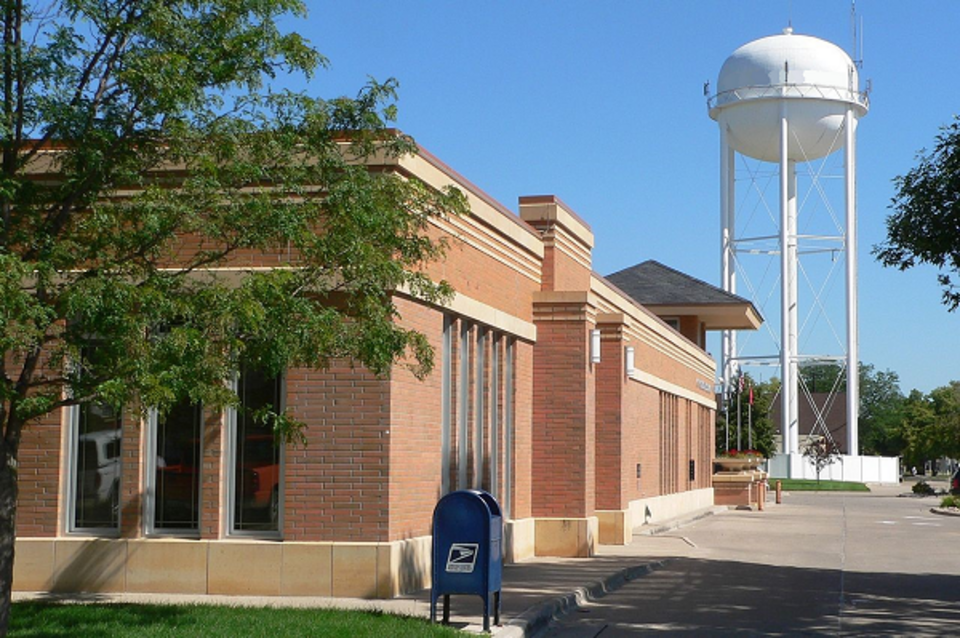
x,y
501,285
337,486
211,488
564,481
611,421
415,432
39,475
131,486
523,432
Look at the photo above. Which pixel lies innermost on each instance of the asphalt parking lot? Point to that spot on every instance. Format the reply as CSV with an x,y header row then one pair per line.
x,y
820,564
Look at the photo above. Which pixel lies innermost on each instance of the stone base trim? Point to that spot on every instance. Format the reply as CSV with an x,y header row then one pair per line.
x,y
229,567
519,540
615,527
239,567
567,537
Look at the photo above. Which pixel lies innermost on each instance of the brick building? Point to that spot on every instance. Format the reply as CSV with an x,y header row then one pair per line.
x,y
585,413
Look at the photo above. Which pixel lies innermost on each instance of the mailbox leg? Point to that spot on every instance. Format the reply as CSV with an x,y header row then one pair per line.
x,y
486,613
496,609
433,608
446,609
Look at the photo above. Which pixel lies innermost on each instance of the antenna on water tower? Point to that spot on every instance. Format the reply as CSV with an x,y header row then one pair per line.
x,y
856,34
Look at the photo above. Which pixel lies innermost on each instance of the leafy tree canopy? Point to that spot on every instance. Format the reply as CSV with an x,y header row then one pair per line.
x,y
147,160
757,428
925,225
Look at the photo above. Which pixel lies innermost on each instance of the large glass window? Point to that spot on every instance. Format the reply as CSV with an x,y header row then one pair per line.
x,y
173,472
96,468
257,459
478,383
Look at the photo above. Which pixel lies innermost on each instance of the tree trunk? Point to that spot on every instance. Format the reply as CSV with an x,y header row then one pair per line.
x,y
8,516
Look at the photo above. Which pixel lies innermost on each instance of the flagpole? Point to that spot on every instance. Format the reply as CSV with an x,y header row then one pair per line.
x,y
739,419
726,429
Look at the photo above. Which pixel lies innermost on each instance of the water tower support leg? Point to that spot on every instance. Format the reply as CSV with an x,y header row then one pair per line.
x,y
853,333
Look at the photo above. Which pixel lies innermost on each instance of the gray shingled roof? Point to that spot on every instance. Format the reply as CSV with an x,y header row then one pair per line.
x,y
651,284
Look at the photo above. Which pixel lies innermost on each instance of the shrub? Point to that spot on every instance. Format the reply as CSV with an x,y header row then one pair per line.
x,y
950,501
923,488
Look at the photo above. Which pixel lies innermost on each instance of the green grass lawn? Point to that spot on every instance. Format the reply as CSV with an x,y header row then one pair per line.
x,y
810,485
51,620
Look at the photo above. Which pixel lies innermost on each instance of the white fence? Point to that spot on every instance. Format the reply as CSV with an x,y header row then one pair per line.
x,y
863,469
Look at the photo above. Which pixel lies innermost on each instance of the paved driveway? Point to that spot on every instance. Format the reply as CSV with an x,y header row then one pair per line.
x,y
832,564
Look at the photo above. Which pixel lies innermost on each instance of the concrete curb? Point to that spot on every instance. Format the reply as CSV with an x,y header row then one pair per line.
x,y
537,619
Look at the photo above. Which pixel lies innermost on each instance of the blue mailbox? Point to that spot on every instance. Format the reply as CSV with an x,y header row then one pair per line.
x,y
467,553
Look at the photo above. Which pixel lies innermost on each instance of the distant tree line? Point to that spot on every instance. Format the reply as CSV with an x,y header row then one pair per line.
x,y
917,427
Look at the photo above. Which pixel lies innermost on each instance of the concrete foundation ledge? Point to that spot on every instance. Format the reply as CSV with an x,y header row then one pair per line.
x,y
227,567
519,540
567,537
616,527
659,509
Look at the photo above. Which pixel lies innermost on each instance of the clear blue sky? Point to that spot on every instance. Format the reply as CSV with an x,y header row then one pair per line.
x,y
601,103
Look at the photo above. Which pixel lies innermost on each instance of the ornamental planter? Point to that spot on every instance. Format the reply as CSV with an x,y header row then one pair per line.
x,y
738,464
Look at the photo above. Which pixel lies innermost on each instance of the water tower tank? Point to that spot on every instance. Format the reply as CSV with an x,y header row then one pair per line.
x,y
810,81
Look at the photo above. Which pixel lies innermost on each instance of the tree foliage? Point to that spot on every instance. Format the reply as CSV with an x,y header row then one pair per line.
x,y
821,453
757,428
147,159
925,225
931,425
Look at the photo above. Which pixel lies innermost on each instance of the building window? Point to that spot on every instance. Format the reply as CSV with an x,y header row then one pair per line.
x,y
446,403
256,459
480,412
463,405
673,322
477,425
95,468
173,470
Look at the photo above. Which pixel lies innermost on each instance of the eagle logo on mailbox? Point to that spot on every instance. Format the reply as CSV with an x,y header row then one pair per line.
x,y
462,557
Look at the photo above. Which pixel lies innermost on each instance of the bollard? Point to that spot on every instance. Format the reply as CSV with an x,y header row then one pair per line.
x,y
762,494
779,492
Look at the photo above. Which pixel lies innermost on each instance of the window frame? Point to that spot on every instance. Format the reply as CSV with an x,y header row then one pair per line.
x,y
230,486
72,470
150,474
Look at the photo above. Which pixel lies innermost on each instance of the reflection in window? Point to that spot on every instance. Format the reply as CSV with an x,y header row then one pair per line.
x,y
256,458
176,462
96,502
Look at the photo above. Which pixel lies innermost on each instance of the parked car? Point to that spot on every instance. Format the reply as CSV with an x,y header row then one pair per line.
x,y
955,481
98,488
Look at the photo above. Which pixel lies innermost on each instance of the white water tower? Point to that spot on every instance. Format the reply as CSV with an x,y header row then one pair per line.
x,y
785,100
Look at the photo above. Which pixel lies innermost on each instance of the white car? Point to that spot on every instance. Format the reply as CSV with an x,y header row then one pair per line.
x,y
99,471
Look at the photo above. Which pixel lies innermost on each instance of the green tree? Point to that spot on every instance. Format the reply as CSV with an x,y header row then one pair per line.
x,y
823,377
926,215
755,417
128,125
919,429
946,408
821,453
930,424
881,412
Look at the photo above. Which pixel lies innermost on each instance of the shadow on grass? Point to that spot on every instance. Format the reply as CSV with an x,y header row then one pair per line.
x,y
50,618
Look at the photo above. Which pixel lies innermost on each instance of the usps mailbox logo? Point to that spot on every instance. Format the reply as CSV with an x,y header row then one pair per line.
x,y
462,558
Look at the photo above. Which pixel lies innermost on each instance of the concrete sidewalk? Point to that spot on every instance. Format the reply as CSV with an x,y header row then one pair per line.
x,y
534,592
